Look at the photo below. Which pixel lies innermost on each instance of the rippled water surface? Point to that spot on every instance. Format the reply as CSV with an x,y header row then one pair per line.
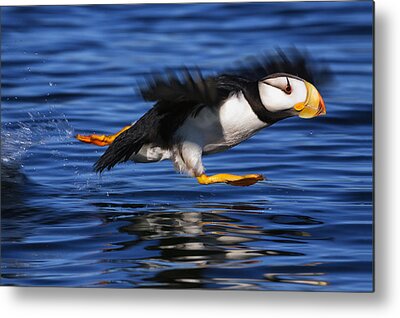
x,y
68,70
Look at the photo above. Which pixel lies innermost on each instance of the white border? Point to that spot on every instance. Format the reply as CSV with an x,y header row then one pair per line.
x,y
67,302
75,2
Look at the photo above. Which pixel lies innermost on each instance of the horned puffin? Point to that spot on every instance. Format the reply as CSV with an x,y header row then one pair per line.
x,y
195,115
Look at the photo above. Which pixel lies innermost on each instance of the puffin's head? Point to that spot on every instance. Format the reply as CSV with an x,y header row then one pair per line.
x,y
290,95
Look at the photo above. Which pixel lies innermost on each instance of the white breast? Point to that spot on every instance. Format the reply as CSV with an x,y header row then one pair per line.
x,y
238,120
219,129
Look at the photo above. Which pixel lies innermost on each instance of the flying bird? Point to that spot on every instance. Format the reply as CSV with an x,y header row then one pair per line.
x,y
195,115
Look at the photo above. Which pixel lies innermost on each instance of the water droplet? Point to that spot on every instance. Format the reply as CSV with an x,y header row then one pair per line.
x,y
50,84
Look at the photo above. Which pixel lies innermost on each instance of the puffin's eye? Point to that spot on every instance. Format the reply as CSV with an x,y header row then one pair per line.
x,y
288,88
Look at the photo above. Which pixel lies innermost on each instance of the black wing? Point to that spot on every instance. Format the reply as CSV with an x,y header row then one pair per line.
x,y
180,85
292,61
155,127
186,85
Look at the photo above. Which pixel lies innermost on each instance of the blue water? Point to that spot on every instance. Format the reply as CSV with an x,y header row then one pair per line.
x,y
68,70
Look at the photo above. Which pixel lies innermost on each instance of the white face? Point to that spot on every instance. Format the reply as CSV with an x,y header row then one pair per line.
x,y
282,92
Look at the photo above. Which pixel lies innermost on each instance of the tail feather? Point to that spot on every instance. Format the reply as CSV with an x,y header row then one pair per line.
x,y
123,147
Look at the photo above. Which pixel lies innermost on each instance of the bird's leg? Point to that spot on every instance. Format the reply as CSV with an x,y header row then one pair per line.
x,y
188,157
101,140
231,179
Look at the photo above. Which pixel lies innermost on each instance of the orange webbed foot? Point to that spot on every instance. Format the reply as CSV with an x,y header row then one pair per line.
x,y
100,140
241,181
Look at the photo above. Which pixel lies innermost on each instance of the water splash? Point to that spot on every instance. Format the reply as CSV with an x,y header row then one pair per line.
x,y
40,128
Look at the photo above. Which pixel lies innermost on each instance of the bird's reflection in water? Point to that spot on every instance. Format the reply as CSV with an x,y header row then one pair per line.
x,y
298,278
226,246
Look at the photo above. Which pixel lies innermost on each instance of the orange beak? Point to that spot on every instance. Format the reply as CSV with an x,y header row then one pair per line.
x,y
313,106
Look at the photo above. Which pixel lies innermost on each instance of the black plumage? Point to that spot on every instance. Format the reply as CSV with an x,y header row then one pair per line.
x,y
292,61
183,93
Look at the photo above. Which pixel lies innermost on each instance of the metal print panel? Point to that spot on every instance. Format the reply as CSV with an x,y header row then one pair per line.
x,y
211,146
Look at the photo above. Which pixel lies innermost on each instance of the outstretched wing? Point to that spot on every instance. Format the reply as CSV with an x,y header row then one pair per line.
x,y
192,85
180,85
292,61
